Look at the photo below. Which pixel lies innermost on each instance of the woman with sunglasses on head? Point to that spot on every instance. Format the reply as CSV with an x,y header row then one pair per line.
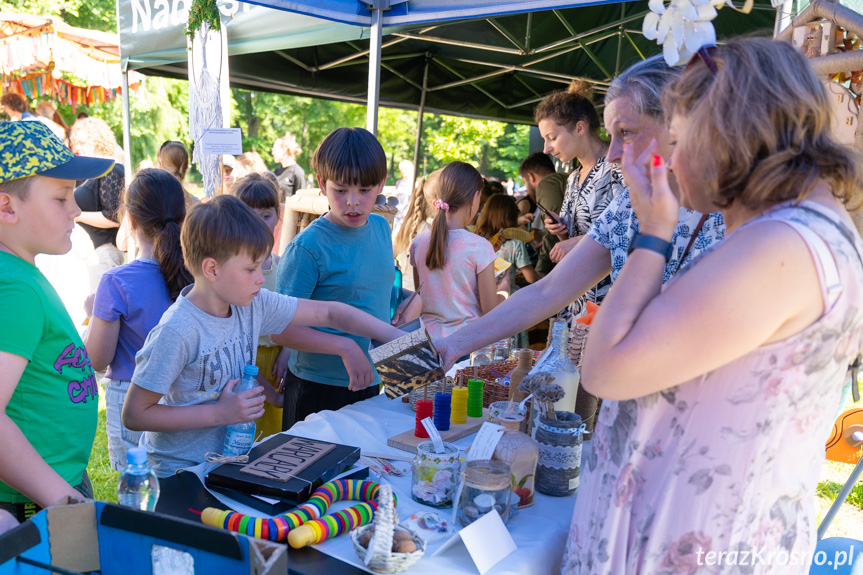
x,y
726,379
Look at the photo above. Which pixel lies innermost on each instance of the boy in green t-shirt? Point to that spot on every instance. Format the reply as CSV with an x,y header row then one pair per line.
x,y
48,393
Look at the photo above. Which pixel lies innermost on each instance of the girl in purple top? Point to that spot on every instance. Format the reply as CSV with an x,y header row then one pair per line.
x,y
131,299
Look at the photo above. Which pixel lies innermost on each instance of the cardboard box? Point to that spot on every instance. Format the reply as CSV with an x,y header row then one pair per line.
x,y
83,536
297,489
408,362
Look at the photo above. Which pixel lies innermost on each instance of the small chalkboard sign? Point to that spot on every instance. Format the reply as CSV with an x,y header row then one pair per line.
x,y
285,467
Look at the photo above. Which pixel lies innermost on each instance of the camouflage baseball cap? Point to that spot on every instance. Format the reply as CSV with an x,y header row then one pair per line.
x,y
30,148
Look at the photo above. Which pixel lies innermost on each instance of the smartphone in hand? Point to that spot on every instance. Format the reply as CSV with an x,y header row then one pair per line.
x,y
548,214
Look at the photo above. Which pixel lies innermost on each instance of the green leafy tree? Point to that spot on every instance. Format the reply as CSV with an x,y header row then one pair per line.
x,y
91,14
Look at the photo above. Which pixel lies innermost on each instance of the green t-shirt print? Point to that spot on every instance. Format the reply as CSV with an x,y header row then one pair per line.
x,y
56,400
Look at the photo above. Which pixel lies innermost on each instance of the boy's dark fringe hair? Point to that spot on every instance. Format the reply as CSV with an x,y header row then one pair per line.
x,y
221,229
457,185
156,203
351,157
256,191
499,212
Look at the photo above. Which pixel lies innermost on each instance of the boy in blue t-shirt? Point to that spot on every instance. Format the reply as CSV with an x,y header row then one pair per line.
x,y
345,255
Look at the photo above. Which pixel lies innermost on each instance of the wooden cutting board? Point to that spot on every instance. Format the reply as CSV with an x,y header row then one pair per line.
x,y
407,441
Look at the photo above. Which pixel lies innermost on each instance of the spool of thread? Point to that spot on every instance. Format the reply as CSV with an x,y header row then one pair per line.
x,y
459,405
425,408
442,411
474,398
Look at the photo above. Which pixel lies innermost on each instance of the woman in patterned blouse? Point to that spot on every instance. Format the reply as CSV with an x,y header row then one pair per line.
x,y
569,125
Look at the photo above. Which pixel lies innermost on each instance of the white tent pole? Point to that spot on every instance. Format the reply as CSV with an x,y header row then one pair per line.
x,y
419,137
374,71
127,129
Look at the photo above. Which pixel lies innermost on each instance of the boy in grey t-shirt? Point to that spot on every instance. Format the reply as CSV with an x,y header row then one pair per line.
x,y
210,333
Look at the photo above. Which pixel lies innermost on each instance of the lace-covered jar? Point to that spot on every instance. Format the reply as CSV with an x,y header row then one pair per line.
x,y
560,445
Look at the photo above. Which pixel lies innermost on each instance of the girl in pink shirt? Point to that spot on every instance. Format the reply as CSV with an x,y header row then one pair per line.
x,y
453,265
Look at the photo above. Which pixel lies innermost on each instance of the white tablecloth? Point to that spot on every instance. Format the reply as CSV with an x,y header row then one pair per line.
x,y
539,531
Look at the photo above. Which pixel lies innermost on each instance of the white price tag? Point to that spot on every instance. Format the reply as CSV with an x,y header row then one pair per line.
x,y
434,435
486,440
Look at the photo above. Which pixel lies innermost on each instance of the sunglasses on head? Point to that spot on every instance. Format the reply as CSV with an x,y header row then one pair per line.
x,y
703,54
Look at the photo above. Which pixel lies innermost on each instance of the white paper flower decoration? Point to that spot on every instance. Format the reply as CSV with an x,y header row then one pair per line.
x,y
681,27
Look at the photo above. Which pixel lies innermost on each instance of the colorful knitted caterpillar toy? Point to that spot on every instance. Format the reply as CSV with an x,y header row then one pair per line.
x,y
307,524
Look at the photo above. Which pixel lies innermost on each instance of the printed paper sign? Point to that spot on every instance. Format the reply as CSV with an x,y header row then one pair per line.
x,y
218,141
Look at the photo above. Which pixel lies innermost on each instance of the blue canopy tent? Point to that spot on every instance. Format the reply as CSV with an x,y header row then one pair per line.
x,y
476,58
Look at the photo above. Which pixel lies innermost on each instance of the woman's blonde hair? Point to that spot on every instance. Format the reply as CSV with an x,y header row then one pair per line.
x,y
420,209
458,184
92,137
760,128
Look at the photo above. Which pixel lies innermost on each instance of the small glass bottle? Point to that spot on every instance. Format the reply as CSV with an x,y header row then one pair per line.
x,y
521,453
559,364
434,476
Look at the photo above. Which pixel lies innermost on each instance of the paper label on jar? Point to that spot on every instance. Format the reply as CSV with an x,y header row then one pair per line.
x,y
486,440
573,483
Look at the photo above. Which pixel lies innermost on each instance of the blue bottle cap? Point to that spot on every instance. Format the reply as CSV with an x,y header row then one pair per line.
x,y
251,370
136,456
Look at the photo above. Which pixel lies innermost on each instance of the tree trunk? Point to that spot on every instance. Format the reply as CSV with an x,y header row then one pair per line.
x,y
253,121
483,162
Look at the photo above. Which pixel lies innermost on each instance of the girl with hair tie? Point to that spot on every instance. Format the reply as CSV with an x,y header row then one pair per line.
x,y
454,266
131,298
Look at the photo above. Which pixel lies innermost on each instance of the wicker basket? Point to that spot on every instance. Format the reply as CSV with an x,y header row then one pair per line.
x,y
433,388
389,562
491,391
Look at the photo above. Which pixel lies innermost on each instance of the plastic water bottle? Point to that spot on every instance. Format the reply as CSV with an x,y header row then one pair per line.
x,y
239,436
396,294
138,486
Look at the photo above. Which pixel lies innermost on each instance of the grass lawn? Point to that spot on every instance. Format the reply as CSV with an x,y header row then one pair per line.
x,y
104,478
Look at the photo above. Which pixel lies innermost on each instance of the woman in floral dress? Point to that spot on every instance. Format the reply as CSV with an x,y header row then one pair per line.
x,y
722,384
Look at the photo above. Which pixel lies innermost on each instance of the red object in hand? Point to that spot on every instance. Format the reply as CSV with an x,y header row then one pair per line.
x,y
657,161
425,408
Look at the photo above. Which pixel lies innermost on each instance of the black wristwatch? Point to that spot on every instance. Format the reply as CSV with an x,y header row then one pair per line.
x,y
651,243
